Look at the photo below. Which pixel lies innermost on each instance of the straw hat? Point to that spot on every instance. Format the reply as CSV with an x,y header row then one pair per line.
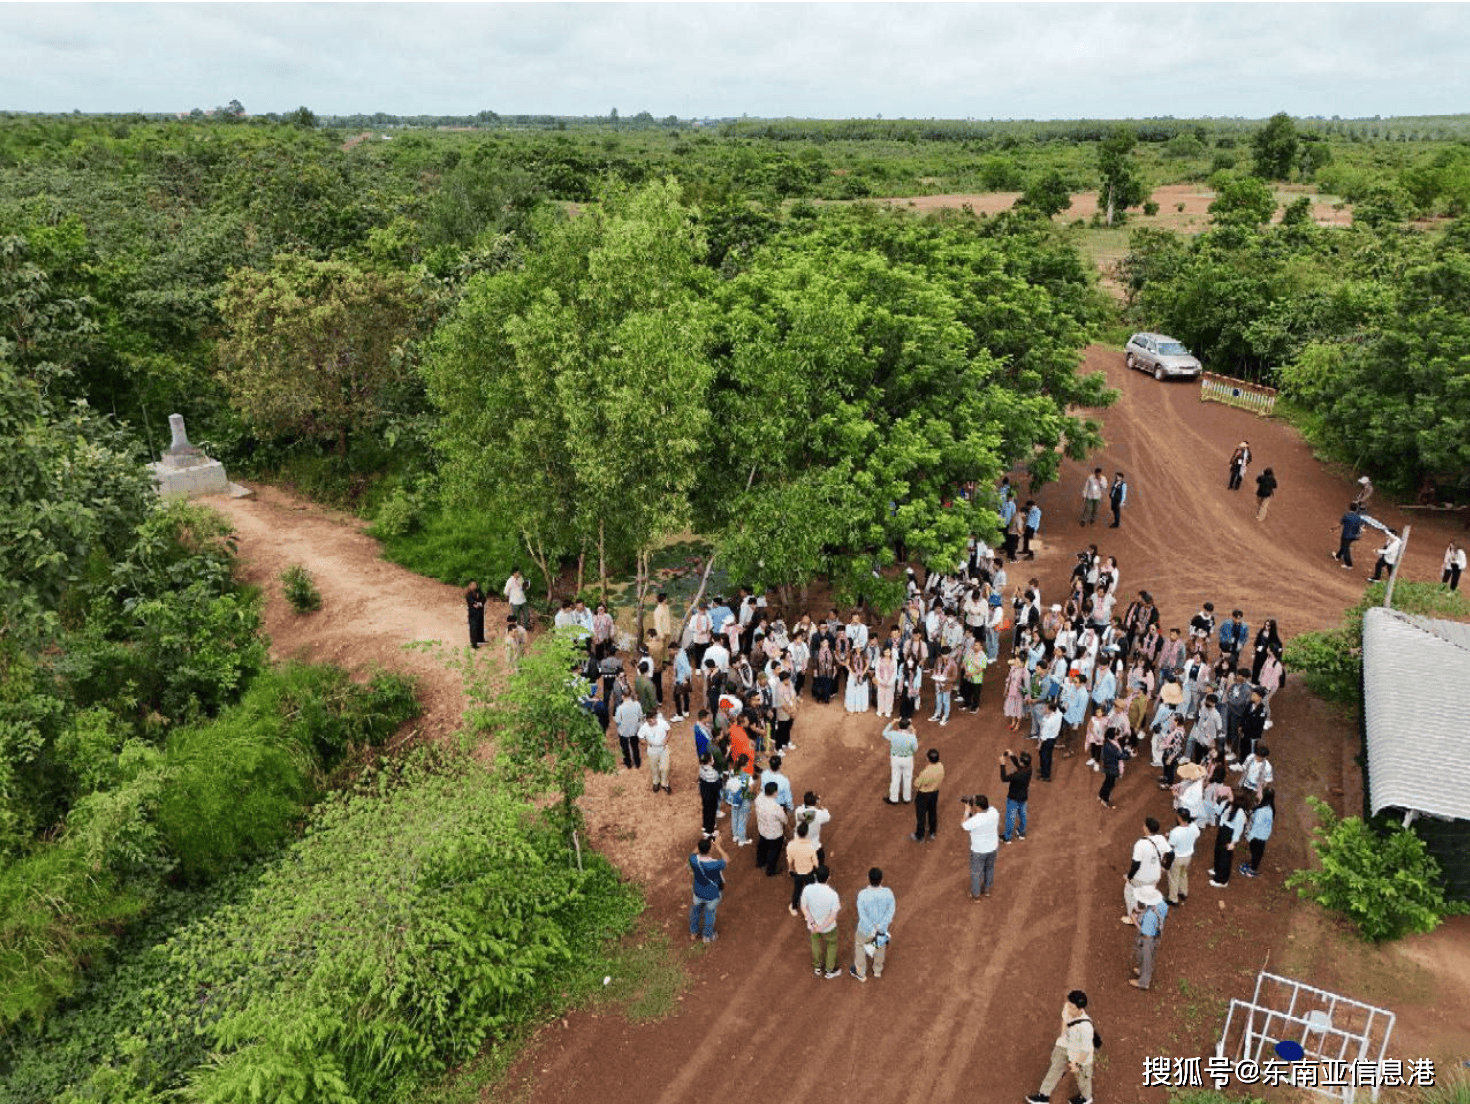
x,y
1190,772
1171,694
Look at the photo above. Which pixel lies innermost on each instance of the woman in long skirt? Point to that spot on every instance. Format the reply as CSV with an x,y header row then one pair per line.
x,y
885,677
857,683
1015,704
910,686
825,679
1227,835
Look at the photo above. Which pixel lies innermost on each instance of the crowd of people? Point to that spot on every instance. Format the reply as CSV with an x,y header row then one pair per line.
x,y
1094,673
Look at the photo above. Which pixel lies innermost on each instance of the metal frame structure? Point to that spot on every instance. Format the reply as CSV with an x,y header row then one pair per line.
x,y
1330,1028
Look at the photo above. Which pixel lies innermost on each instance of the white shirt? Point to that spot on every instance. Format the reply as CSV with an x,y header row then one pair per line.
x,y
984,829
1095,487
1258,773
818,816
654,733
515,591
857,632
1148,854
1182,840
720,654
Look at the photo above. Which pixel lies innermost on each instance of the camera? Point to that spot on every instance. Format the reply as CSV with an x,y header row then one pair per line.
x,y
970,799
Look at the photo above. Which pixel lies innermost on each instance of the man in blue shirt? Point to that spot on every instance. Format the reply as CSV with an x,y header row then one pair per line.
x,y
1150,916
875,908
783,784
709,886
719,615
1352,529
1033,523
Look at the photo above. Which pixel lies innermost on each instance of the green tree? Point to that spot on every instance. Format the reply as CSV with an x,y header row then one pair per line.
x,y
312,347
1241,200
1120,187
1049,194
1274,148
574,387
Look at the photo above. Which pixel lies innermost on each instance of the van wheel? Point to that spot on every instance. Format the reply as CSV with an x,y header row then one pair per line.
x,y
1128,360
1159,374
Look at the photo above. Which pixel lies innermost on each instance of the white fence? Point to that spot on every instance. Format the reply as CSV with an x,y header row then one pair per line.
x,y
1234,392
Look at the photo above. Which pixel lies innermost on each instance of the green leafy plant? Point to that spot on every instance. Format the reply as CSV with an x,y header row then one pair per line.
x,y
1385,881
300,589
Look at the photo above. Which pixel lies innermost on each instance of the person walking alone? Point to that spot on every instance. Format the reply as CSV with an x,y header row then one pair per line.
x,y
1265,488
1117,499
1239,460
1454,565
1350,529
1073,1052
983,824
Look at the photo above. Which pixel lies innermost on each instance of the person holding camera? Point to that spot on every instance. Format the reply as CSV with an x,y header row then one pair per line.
x,y
875,909
983,824
903,745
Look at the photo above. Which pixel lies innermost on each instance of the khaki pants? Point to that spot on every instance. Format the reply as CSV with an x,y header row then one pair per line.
x,y
1144,948
1178,879
658,764
1261,510
860,956
1059,1067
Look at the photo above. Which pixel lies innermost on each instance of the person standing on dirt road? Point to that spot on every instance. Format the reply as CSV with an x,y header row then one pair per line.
x,y
1149,918
474,600
819,907
709,886
1351,529
515,594
1239,461
1265,488
1073,1052
926,798
983,824
1117,499
1092,495
1365,492
875,909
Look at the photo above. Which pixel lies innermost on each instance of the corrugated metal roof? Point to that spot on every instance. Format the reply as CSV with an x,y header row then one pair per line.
x,y
1416,704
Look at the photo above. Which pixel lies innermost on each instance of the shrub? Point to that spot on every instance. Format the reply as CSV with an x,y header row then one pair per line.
x,y
455,546
398,515
1150,208
1387,882
300,589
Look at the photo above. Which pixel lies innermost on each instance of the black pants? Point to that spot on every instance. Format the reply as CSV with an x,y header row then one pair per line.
x,y
906,706
681,698
1380,567
1235,478
798,681
970,694
632,754
1109,781
1012,539
477,627
1117,508
1452,576
926,813
1258,849
781,733
1222,855
767,853
1047,747
657,678
798,883
1344,553
709,804
1026,543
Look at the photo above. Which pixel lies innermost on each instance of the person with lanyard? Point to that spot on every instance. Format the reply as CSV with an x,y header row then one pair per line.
x,y
903,746
709,887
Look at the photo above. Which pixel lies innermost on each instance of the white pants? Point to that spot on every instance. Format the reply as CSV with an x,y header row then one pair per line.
x,y
900,774
658,763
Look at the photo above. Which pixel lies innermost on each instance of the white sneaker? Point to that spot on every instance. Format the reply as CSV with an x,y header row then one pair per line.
x,y
944,722
789,747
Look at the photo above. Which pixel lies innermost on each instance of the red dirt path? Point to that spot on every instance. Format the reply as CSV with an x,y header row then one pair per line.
x,y
969,1001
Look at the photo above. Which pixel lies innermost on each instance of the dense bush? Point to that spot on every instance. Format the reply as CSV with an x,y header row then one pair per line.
x,y
423,913
1386,881
455,546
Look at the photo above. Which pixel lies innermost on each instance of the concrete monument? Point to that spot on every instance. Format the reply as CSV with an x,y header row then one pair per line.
x,y
185,472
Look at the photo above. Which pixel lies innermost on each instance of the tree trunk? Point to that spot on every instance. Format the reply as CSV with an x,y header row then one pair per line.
x,y
581,568
1110,205
641,586
694,602
602,557
537,551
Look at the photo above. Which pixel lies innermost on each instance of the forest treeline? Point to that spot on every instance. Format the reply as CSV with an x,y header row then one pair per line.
x,y
557,348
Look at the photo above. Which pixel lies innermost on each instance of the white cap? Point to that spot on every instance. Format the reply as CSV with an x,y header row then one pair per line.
x,y
1148,895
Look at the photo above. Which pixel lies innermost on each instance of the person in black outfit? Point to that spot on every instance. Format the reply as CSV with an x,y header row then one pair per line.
x,y
1265,488
1018,779
474,600
1113,754
1117,498
1268,642
1252,724
1238,463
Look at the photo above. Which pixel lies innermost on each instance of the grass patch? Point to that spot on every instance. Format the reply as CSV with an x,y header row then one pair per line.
x,y
647,978
457,546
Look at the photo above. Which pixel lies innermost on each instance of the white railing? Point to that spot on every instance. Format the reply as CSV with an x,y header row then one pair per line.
x,y
1234,392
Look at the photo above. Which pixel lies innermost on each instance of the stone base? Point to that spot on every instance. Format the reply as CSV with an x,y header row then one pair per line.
x,y
207,478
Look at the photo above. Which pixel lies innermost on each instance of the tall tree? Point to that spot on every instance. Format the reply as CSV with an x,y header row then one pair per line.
x,y
1120,188
313,346
1274,148
574,388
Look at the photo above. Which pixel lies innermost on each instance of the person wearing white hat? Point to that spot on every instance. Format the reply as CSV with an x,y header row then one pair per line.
x,y
1149,919
1365,492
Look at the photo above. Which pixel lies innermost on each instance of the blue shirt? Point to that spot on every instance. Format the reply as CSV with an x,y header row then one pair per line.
x,y
701,739
902,741
706,876
1151,922
718,616
1074,704
1262,821
1107,687
1352,525
682,671
1007,511
1033,518
783,788
875,907
1232,637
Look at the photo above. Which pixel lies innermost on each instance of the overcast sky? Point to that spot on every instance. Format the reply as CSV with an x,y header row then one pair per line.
x,y
1043,61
